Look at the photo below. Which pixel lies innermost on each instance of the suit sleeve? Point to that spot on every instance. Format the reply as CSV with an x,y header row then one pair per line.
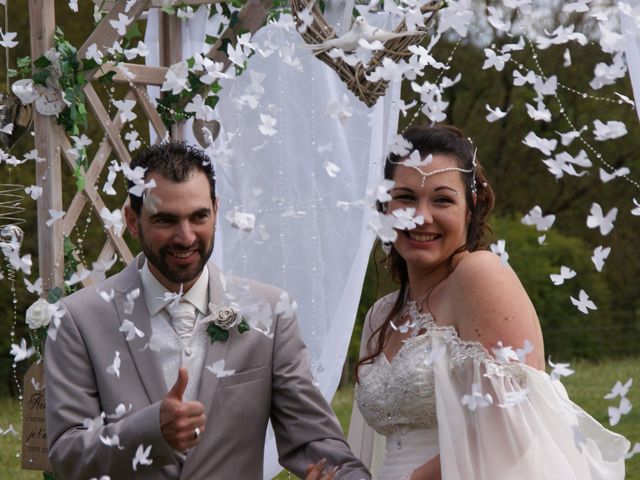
x,y
75,448
305,426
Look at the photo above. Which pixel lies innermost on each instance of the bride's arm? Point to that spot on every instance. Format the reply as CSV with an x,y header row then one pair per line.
x,y
490,306
428,471
499,419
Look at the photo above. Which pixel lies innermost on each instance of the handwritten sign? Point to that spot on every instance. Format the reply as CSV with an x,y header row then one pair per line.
x,y
34,432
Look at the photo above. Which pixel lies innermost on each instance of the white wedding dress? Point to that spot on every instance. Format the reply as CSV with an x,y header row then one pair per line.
x,y
487,420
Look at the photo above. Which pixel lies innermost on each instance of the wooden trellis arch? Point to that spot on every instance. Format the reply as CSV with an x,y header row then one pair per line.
x,y
52,143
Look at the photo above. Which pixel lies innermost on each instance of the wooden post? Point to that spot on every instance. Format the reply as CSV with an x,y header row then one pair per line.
x,y
42,24
170,53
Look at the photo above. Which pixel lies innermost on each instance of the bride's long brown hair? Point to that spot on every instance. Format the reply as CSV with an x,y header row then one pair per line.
x,y
443,140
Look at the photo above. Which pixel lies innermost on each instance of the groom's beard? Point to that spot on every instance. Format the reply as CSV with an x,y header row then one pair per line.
x,y
161,259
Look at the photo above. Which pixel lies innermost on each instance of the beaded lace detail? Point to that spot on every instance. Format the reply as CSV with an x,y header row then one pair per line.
x,y
398,396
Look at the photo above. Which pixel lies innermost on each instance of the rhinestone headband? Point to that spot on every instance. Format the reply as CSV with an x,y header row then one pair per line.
x,y
425,175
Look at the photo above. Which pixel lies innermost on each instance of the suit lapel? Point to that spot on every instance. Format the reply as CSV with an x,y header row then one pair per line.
x,y
209,381
216,351
145,359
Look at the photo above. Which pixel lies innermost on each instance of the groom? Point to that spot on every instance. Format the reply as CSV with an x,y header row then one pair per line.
x,y
136,385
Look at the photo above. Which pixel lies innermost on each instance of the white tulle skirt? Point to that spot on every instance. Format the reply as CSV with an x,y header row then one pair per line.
x,y
408,452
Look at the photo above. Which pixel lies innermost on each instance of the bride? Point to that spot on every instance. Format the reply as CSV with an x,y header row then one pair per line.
x,y
452,364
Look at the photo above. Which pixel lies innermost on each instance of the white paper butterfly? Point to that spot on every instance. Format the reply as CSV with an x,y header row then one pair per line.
x,y
597,219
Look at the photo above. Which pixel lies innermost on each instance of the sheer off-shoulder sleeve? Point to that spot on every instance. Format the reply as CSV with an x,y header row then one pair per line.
x,y
499,421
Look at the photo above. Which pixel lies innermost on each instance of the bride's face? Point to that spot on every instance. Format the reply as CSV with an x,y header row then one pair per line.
x,y
438,197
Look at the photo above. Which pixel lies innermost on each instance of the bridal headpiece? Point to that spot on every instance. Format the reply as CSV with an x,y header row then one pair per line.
x,y
424,175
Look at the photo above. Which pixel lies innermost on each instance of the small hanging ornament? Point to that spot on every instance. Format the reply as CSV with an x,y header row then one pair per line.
x,y
15,119
10,233
205,139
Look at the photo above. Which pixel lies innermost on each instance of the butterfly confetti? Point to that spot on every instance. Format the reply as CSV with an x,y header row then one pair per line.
x,y
113,220
267,125
535,217
619,389
55,216
600,254
130,299
111,441
499,248
616,413
546,146
495,114
566,273
121,24
125,108
141,457
608,131
217,368
405,219
583,303
559,370
21,352
608,176
285,307
130,330
114,368
477,399
597,219
243,221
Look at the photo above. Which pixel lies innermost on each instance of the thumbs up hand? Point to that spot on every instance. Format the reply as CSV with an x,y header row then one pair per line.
x,y
181,423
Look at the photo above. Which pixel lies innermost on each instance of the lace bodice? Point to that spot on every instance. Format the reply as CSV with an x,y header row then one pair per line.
x,y
398,396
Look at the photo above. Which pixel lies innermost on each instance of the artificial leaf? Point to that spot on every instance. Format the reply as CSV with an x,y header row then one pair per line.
x,y
41,77
41,62
133,31
217,334
107,77
55,293
243,326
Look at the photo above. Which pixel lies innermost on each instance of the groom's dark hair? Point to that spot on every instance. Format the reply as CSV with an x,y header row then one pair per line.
x,y
175,161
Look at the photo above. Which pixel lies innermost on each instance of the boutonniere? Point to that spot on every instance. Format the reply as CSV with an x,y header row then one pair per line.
x,y
223,320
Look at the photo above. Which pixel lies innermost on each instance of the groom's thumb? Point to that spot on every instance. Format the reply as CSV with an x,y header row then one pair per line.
x,y
181,384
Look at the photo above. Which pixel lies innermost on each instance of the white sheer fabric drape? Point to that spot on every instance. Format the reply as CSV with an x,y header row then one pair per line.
x,y
631,32
302,240
531,430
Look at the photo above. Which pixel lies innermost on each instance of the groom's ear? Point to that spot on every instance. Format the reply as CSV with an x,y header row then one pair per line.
x,y
133,224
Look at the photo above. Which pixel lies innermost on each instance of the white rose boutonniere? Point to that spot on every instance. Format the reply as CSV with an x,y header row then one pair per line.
x,y
223,320
38,314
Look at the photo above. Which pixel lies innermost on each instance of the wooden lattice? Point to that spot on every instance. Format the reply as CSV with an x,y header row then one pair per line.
x,y
52,142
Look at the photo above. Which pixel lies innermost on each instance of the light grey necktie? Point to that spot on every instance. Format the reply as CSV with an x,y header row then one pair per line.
x,y
183,319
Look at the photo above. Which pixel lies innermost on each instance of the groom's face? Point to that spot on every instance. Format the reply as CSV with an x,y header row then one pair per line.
x,y
176,227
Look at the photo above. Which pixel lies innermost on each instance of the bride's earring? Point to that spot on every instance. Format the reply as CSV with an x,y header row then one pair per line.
x,y
386,248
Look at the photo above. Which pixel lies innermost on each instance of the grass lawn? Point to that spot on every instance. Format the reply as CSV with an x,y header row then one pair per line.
x,y
586,387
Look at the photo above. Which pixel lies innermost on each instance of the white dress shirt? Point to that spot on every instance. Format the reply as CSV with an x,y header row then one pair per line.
x,y
173,352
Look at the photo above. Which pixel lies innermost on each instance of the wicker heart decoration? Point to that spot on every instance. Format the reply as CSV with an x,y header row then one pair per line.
x,y
355,77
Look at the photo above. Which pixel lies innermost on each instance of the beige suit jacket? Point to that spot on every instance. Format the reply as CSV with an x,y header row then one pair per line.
x,y
271,381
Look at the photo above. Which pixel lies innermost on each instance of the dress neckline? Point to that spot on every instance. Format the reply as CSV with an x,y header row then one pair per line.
x,y
418,321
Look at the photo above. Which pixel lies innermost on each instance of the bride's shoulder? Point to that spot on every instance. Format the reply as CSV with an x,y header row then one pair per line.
x,y
481,269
